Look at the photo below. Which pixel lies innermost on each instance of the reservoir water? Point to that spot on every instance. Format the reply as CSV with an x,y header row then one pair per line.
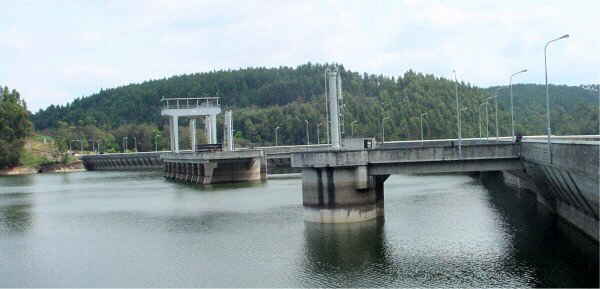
x,y
133,229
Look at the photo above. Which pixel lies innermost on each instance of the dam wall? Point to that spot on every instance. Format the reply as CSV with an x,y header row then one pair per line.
x,y
564,178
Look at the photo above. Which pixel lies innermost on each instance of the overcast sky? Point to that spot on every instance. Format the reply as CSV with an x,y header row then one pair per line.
x,y
55,51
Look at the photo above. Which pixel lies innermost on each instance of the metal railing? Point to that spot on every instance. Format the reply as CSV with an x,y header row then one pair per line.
x,y
187,103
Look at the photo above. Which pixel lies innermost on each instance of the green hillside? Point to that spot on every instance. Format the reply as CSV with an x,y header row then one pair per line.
x,y
263,98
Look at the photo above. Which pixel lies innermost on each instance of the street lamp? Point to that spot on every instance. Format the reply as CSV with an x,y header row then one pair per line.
x,y
548,130
496,97
461,111
422,138
318,133
352,127
276,129
156,142
512,110
307,135
480,105
457,115
383,129
487,121
497,127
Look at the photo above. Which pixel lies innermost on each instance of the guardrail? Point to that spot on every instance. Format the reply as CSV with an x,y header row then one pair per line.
x,y
187,103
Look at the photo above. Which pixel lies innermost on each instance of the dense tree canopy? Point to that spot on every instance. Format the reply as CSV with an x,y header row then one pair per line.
x,y
14,127
264,98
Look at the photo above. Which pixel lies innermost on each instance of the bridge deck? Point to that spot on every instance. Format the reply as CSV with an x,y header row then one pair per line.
x,y
405,155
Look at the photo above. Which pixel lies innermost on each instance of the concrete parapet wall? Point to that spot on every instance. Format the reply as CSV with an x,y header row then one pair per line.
x,y
384,156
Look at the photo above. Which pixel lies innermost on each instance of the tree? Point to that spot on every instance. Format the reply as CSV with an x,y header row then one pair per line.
x,y
14,127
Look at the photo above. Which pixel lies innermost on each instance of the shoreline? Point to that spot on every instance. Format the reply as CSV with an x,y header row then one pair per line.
x,y
73,167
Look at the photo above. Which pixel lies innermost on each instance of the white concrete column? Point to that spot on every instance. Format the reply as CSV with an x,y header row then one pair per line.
x,y
333,110
193,133
213,128
228,132
171,134
175,134
208,129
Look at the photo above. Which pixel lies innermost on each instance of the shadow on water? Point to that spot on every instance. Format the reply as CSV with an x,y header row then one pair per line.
x,y
562,255
340,255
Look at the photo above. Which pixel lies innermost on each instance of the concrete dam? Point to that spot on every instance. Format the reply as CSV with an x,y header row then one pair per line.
x,y
348,185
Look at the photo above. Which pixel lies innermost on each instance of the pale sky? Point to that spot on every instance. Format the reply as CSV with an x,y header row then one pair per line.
x,y
55,51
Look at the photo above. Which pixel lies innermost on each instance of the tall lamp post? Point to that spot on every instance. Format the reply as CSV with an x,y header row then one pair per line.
x,y
276,129
307,135
383,129
487,121
548,130
512,109
486,112
422,138
457,115
352,127
464,108
497,127
480,106
156,142
318,133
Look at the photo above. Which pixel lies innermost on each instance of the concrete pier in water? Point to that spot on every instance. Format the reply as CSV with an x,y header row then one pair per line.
x,y
215,167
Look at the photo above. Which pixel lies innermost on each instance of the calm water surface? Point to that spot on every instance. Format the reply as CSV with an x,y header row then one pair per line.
x,y
133,229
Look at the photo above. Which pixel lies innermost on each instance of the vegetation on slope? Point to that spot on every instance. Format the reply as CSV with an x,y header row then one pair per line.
x,y
14,127
264,98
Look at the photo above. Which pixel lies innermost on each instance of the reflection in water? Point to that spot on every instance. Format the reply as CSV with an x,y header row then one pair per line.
x,y
561,255
133,229
15,218
345,252
16,181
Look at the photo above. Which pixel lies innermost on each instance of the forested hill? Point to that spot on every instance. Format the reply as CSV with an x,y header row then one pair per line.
x,y
263,98
140,103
